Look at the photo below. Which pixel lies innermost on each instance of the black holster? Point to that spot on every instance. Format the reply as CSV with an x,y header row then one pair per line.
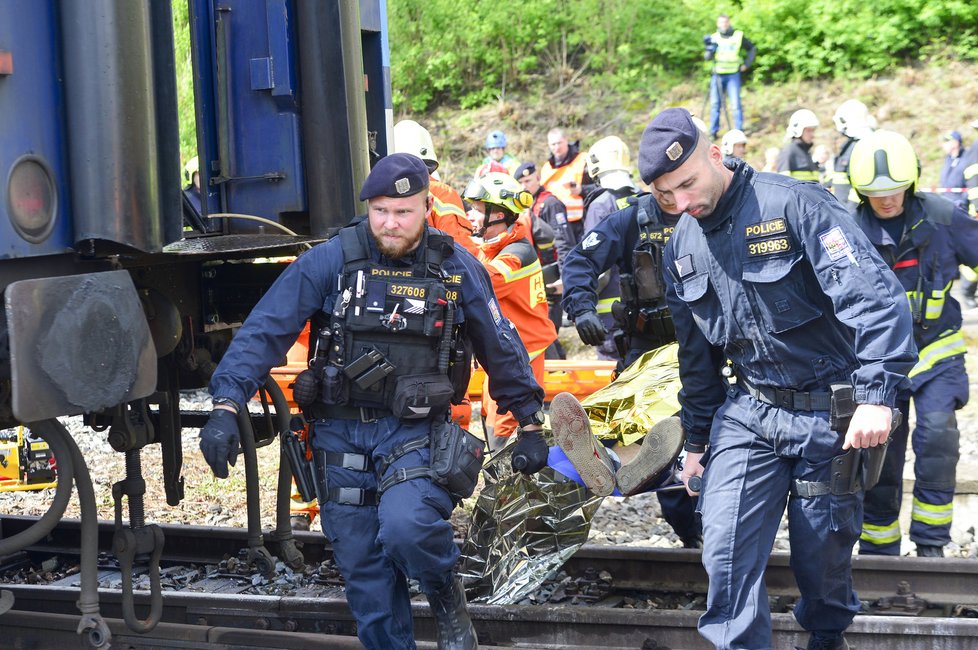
x,y
456,459
295,451
856,468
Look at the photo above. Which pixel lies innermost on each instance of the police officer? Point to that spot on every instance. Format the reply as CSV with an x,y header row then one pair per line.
x,y
853,120
923,237
387,286
771,279
795,159
630,241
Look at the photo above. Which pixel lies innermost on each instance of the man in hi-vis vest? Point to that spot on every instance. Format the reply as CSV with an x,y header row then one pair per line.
x,y
731,53
565,176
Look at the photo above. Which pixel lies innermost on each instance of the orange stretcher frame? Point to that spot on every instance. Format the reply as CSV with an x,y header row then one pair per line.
x,y
579,377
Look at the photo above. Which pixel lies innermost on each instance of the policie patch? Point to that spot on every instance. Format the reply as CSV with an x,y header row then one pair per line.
x,y
770,246
766,228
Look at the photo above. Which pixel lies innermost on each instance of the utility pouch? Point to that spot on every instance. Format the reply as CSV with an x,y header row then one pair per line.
x,y
626,287
335,386
369,368
460,367
648,282
456,459
551,273
842,404
846,474
302,471
421,396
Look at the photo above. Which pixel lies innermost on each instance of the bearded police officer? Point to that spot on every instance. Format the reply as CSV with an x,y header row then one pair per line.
x,y
392,295
769,279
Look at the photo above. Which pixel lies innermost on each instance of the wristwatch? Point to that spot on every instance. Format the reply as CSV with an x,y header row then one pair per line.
x,y
533,418
226,401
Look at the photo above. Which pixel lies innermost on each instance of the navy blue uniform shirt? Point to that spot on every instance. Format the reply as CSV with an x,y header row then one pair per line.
x,y
309,284
782,282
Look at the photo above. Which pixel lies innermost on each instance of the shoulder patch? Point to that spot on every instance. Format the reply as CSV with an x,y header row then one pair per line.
x,y
592,240
835,243
684,267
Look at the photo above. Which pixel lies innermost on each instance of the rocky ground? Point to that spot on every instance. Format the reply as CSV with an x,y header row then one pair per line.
x,y
630,521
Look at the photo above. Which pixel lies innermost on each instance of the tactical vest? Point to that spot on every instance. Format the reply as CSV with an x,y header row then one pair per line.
x,y
392,341
643,310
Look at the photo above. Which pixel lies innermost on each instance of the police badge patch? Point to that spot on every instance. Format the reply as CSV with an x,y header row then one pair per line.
x,y
591,240
684,266
402,185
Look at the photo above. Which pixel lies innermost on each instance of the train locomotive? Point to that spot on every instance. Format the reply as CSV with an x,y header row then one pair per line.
x,y
119,292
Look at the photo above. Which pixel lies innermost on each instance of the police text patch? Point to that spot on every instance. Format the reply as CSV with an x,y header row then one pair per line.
x,y
835,243
765,228
684,266
768,246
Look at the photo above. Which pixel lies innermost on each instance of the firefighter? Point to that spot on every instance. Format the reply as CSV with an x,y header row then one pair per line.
x,y
770,279
191,180
447,212
548,208
733,145
853,120
923,237
384,288
795,159
496,152
497,202
565,176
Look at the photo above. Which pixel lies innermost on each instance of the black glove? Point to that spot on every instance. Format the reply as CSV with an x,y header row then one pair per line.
x,y
530,452
590,328
708,40
219,441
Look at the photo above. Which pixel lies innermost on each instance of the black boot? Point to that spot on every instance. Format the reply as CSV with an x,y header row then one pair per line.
x,y
928,550
826,642
455,630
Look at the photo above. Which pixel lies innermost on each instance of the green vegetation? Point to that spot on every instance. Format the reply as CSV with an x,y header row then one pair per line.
x,y
467,53
185,81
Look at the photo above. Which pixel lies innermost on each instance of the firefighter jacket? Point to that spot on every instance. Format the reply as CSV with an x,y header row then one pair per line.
x,y
555,175
795,160
840,171
780,281
517,280
313,285
730,52
937,237
448,215
548,208
630,240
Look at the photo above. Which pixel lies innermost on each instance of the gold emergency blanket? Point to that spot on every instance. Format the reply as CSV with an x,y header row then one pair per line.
x,y
524,528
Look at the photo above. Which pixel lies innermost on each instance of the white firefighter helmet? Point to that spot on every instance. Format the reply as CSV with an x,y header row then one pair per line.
x,y
410,137
730,138
853,119
799,121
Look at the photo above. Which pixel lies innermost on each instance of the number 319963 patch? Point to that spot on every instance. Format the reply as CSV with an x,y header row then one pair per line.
x,y
768,246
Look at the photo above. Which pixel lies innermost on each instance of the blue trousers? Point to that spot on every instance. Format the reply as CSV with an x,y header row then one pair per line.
x,y
377,547
728,84
936,395
757,450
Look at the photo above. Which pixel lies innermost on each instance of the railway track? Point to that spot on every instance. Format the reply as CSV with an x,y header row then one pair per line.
x,y
215,609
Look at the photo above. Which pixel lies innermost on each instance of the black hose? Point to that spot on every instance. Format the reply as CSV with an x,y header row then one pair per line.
x,y
252,503
62,494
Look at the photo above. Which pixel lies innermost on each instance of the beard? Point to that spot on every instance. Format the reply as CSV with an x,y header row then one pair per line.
x,y
402,243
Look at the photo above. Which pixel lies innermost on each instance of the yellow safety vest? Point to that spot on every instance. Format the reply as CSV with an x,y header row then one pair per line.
x,y
727,59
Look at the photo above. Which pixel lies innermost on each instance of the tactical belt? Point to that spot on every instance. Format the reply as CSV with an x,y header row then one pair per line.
x,y
344,412
788,398
345,495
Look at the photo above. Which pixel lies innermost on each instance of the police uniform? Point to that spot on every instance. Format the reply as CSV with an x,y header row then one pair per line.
x,y
840,171
633,236
599,204
779,281
381,540
937,237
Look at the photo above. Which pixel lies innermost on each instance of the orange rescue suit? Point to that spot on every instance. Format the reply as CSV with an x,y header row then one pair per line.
x,y
448,215
517,281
